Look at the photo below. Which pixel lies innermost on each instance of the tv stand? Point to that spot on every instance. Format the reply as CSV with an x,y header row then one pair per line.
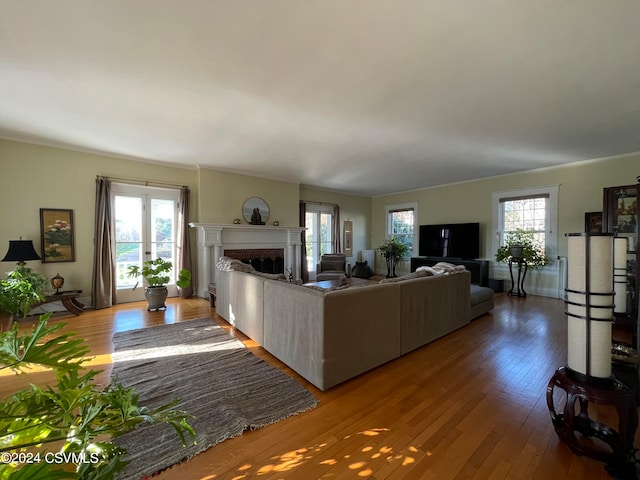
x,y
479,268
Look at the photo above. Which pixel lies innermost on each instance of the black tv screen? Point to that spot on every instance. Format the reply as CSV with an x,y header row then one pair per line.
x,y
450,240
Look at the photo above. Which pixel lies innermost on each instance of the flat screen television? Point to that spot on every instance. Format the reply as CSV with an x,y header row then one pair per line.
x,y
450,240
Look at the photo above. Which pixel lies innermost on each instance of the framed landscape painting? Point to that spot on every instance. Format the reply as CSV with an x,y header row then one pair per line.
x,y
57,232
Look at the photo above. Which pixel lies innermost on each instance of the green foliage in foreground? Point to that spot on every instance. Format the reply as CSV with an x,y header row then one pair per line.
x,y
77,416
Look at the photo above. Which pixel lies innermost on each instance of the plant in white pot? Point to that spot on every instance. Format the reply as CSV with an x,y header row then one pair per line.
x,y
156,274
522,245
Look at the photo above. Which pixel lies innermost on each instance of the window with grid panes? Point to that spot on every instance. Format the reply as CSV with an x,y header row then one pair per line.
x,y
525,214
401,223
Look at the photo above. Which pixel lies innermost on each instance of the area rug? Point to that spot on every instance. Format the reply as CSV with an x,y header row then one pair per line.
x,y
222,384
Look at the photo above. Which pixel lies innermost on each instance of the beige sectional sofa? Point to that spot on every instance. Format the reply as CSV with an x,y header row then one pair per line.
x,y
329,336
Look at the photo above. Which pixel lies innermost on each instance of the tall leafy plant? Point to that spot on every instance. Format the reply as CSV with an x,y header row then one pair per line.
x,y
76,415
527,247
21,290
156,273
393,246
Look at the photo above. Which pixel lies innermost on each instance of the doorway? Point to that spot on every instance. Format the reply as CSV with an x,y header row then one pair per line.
x,y
319,235
145,228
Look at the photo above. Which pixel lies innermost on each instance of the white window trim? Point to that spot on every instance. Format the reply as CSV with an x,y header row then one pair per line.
x,y
403,206
551,192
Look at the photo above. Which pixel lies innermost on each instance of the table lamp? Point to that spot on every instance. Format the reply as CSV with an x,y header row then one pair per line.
x,y
21,251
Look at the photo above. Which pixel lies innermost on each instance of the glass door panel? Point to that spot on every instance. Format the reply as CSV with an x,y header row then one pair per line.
x,y
326,233
311,245
145,229
128,214
162,237
319,236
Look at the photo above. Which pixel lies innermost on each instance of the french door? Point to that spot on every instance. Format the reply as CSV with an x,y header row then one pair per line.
x,y
319,236
145,229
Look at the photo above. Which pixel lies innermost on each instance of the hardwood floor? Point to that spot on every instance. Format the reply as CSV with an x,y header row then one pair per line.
x,y
468,406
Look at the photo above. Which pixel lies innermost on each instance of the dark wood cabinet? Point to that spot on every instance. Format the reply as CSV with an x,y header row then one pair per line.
x,y
620,216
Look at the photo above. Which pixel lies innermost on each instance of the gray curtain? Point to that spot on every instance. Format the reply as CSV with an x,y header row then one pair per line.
x,y
183,242
103,288
337,248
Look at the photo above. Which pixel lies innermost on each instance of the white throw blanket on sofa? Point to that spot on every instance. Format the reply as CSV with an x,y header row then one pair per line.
x,y
442,268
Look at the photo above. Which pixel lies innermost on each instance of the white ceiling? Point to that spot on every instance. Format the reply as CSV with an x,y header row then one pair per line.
x,y
368,96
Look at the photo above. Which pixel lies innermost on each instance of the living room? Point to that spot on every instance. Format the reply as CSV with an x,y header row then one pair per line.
x,y
446,107
580,190
66,179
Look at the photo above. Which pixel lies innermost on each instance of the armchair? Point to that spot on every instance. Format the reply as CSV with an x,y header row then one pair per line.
x,y
333,266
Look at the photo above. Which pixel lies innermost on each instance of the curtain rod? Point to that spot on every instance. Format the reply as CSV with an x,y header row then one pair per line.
x,y
321,203
146,183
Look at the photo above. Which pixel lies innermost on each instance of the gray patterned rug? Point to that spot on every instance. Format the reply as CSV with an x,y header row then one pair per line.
x,y
219,381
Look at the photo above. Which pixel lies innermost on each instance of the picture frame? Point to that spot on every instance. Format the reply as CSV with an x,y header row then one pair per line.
x,y
57,232
593,222
348,238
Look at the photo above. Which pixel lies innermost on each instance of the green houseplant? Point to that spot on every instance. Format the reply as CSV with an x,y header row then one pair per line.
x,y
522,245
522,249
156,274
19,292
393,251
65,430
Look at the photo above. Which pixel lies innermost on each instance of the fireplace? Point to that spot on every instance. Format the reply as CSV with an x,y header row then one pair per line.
x,y
268,247
266,260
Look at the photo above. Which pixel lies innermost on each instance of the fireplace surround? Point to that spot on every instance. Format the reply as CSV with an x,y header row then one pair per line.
x,y
267,247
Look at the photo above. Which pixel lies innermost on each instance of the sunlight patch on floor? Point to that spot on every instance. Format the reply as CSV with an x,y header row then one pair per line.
x,y
375,458
97,360
168,351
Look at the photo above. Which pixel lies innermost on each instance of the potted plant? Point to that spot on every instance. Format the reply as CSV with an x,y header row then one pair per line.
x,y
19,292
156,275
393,251
521,245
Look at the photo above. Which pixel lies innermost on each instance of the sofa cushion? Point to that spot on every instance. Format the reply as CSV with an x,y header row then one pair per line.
x,y
480,294
408,276
432,307
333,262
481,301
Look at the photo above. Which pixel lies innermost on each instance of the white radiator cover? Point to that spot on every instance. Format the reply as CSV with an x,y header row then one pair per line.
x,y
369,256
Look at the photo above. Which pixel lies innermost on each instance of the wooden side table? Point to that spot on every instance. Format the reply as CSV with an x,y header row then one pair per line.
x,y
69,301
578,430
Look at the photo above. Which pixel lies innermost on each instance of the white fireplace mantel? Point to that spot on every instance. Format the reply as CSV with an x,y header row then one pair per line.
x,y
214,238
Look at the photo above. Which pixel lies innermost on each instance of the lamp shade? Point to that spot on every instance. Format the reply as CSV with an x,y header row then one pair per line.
x,y
21,251
620,246
590,303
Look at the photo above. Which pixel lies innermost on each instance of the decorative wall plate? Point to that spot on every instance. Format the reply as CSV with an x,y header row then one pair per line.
x,y
255,211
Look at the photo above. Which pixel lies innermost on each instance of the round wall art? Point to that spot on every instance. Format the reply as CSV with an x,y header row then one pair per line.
x,y
255,211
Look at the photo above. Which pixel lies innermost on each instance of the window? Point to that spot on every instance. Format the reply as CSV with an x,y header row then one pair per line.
x,y
320,234
531,209
525,214
401,223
